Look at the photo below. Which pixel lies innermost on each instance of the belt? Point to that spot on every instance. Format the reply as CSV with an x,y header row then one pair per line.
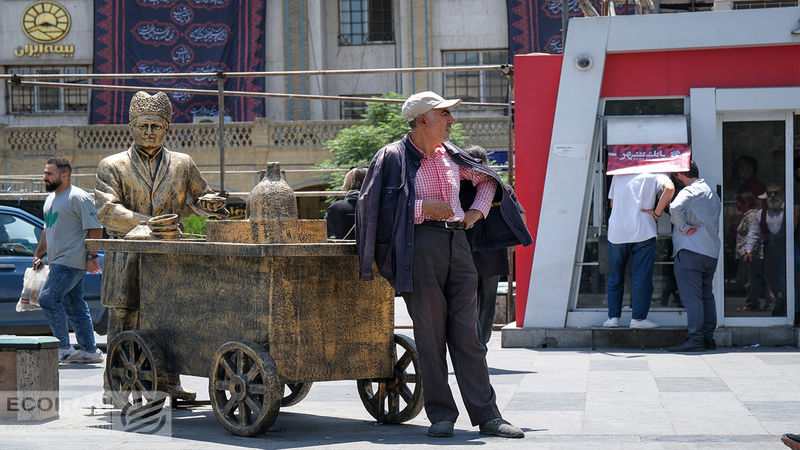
x,y
443,224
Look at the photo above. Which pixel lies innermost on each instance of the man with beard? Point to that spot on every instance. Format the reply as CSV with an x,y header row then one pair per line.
x,y
695,236
770,230
70,218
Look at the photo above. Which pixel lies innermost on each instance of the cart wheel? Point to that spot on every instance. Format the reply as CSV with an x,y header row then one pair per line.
x,y
396,399
294,392
136,372
244,388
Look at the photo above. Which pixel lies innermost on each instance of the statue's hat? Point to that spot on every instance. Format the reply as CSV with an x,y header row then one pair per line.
x,y
144,103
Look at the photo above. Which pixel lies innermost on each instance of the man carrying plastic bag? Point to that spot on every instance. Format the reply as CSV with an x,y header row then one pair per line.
x,y
70,217
31,285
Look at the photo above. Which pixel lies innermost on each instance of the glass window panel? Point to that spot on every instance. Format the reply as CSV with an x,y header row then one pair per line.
x,y
48,98
380,21
754,162
24,99
489,86
18,237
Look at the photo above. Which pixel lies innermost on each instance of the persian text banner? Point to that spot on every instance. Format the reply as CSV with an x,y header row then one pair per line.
x,y
175,36
626,159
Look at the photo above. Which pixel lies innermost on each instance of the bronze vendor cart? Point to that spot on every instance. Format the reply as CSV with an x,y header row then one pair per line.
x,y
263,321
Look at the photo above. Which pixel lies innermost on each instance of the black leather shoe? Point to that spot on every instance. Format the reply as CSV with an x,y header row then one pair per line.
x,y
688,346
710,344
499,427
441,429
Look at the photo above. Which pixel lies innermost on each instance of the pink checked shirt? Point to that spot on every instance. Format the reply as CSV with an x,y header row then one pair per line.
x,y
438,178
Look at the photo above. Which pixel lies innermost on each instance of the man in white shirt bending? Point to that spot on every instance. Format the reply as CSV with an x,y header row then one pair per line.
x,y
632,234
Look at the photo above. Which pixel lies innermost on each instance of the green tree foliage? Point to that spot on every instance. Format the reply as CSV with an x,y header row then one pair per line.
x,y
194,224
383,123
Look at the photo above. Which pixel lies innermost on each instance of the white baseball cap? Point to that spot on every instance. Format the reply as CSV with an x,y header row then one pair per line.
x,y
422,102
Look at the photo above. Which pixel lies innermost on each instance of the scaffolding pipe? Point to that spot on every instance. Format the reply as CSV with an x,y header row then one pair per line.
x,y
19,82
221,130
283,73
511,296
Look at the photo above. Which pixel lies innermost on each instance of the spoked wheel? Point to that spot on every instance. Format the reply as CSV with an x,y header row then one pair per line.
x,y
136,372
294,392
396,399
244,388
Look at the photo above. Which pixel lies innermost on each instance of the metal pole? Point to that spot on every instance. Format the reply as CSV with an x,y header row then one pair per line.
x,y
221,132
511,299
19,82
564,22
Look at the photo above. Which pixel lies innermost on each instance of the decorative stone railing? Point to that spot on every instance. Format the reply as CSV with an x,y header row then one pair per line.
x,y
491,133
249,145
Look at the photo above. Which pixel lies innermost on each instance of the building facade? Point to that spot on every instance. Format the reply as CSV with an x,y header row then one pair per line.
x,y
299,35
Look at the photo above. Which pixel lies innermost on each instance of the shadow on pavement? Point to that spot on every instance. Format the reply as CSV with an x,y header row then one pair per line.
x,y
299,430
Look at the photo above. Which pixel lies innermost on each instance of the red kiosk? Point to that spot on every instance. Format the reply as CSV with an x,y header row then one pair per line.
x,y
726,83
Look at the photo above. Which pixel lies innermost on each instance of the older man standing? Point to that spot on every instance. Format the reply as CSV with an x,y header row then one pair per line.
x,y
132,186
411,224
695,236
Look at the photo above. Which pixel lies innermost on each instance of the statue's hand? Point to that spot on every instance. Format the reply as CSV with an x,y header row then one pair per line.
x,y
219,214
212,203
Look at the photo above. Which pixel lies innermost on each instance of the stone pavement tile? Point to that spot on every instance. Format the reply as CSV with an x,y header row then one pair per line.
x,y
774,410
548,401
690,384
764,388
672,365
500,377
616,365
642,418
536,423
709,413
602,442
603,385
780,358
783,426
563,358
554,382
723,361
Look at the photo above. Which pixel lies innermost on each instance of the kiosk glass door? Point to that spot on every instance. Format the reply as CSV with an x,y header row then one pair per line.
x,y
757,218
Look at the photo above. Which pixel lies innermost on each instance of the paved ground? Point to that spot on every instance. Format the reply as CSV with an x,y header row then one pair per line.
x,y
563,399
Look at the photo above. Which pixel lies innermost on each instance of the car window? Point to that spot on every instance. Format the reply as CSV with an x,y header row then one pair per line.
x,y
17,236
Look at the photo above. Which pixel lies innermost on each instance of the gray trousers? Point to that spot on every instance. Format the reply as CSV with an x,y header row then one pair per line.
x,y
443,310
694,274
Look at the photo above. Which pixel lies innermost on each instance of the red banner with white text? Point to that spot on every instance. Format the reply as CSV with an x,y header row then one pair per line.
x,y
626,159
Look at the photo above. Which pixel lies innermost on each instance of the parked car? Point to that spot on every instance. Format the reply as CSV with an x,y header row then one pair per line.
x,y
19,235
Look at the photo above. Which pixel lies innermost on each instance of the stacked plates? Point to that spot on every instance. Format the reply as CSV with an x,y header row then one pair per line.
x,y
164,227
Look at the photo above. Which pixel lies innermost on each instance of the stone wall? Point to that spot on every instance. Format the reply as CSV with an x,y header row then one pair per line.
x,y
249,145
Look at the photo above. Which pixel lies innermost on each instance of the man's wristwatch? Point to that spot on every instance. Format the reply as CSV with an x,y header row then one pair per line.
x,y
91,256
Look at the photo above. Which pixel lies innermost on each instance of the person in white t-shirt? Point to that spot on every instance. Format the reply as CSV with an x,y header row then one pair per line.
x,y
632,234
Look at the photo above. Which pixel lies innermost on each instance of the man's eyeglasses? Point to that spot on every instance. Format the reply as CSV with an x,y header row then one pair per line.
x,y
773,193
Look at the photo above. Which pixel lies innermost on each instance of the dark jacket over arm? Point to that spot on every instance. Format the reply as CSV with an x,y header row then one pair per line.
x,y
385,213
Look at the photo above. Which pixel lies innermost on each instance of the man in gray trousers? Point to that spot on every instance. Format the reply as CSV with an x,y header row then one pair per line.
x,y
410,224
695,236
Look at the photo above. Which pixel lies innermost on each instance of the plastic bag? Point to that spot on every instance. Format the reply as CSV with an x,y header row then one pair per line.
x,y
31,285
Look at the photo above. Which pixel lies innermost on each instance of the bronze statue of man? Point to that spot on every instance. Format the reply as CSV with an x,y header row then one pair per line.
x,y
144,181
